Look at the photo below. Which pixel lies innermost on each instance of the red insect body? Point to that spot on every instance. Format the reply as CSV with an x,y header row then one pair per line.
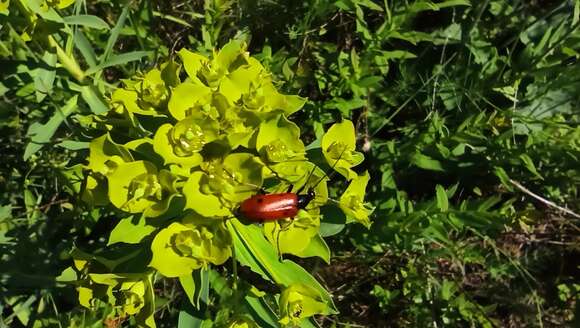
x,y
270,207
273,207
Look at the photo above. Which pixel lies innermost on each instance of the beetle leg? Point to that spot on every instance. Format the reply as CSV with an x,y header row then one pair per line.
x,y
290,188
278,243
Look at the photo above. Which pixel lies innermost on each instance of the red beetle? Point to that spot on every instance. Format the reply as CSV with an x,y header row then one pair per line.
x,y
272,207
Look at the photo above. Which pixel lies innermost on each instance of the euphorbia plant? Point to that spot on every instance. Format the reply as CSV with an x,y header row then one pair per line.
x,y
177,153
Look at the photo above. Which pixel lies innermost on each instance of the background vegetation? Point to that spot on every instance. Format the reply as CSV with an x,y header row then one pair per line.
x,y
467,113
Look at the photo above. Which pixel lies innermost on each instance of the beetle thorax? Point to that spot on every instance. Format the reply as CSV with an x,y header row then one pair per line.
x,y
304,200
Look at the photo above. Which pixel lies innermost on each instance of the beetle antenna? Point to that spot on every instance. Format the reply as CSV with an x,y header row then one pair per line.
x,y
331,169
325,174
307,178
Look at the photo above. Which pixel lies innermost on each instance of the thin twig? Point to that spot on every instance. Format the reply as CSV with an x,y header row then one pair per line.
x,y
543,200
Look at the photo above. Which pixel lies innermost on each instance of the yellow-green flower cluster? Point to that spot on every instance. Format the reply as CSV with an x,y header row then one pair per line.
x,y
184,144
180,249
129,294
298,302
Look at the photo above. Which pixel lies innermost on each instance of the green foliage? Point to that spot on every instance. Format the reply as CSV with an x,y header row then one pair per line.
x,y
125,157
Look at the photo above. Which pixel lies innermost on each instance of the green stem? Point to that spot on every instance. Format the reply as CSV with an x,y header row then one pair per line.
x,y
68,62
234,268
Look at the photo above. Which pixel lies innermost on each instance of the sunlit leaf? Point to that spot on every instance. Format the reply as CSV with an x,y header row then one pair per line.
x,y
352,201
41,134
338,147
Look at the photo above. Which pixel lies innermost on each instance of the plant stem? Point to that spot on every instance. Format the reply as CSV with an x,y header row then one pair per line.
x,y
68,62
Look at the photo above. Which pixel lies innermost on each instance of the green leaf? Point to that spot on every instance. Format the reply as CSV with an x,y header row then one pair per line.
x,y
503,177
130,231
41,134
254,251
105,155
87,21
192,63
576,15
118,60
193,284
133,186
22,307
189,319
47,13
316,247
448,288
115,32
5,212
428,5
167,259
333,220
175,148
262,312
134,290
192,314
245,170
145,317
345,106
442,201
529,164
397,54
369,4
44,78
298,302
4,5
74,145
94,99
426,162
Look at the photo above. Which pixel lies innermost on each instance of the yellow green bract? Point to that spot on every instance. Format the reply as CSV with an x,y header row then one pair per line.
x,y
179,249
182,146
352,201
298,302
338,146
130,294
